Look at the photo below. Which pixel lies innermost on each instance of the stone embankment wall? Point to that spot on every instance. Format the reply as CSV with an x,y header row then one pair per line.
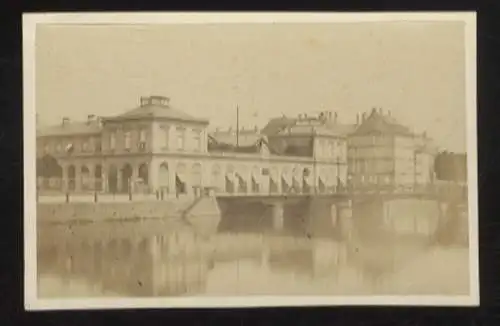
x,y
125,219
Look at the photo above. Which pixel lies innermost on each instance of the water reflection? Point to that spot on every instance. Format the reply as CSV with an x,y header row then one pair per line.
x,y
310,267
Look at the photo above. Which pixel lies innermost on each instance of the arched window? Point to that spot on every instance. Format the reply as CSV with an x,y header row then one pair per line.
x,y
113,179
164,178
181,179
126,178
144,173
71,177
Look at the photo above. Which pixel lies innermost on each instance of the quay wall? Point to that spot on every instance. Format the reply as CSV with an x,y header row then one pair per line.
x,y
126,219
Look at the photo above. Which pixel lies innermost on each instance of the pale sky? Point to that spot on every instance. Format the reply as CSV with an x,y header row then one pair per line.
x,y
414,69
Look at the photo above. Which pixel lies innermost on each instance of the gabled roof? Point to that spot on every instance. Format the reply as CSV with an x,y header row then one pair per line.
x,y
377,122
70,128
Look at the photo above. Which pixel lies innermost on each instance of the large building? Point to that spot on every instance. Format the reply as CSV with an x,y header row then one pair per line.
x,y
382,152
158,148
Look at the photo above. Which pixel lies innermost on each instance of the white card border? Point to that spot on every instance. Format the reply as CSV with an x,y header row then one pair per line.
x,y
30,21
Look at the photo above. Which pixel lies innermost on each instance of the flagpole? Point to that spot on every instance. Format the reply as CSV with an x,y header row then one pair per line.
x,y
237,126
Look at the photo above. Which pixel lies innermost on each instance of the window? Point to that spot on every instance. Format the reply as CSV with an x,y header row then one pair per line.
x,y
142,135
142,140
112,140
180,138
165,130
197,139
85,146
97,145
127,139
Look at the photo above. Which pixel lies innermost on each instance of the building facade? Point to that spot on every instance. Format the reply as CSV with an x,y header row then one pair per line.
x,y
383,152
157,148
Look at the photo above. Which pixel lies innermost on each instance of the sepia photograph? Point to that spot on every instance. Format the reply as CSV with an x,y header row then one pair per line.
x,y
249,160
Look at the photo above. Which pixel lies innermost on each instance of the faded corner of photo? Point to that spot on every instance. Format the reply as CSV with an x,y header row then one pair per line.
x,y
215,160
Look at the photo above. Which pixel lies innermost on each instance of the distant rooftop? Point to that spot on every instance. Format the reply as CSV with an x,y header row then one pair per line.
x,y
378,122
326,124
67,127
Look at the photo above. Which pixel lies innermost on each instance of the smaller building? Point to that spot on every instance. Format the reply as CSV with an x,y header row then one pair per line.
x,y
322,138
382,152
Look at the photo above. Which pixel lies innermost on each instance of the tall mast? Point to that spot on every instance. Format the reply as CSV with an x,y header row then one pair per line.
x,y
237,126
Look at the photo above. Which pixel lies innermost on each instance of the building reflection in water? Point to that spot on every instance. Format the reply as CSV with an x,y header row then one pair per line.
x,y
149,266
128,269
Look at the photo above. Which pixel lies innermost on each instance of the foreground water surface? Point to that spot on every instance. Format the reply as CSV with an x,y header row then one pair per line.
x,y
436,271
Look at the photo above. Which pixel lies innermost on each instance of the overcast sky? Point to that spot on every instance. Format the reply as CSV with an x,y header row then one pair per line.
x,y
416,70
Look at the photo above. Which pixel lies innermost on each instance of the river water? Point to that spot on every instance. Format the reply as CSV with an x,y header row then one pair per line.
x,y
435,271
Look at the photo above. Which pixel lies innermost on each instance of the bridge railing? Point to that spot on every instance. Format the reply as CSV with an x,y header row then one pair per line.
x,y
438,190
101,197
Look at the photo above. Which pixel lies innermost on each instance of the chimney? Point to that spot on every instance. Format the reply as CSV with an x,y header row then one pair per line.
x,y
305,115
374,110
90,118
65,121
